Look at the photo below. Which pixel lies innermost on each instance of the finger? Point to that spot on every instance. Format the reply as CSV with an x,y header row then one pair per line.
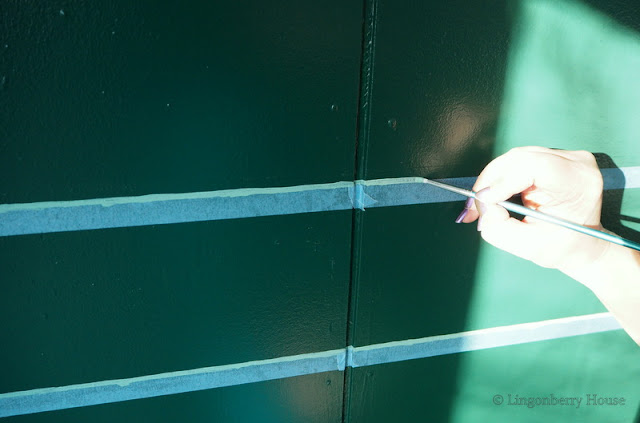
x,y
518,170
502,231
489,174
476,208
522,168
472,214
567,154
534,149
574,155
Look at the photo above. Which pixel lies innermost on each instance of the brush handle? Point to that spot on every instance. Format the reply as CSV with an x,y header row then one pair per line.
x,y
516,208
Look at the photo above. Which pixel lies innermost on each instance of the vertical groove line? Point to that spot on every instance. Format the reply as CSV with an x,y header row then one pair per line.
x,y
363,125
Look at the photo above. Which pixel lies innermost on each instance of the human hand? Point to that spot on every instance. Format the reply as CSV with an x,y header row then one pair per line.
x,y
565,184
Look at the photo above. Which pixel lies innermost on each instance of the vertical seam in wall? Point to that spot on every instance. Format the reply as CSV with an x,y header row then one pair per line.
x,y
363,124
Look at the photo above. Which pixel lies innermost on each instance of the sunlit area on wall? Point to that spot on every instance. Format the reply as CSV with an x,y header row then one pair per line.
x,y
572,83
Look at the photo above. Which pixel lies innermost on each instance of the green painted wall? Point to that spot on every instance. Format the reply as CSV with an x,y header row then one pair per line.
x,y
120,98
115,98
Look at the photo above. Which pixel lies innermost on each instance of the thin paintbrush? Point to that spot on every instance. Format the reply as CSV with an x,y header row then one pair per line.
x,y
516,208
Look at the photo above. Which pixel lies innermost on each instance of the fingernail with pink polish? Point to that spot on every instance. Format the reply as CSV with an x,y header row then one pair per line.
x,y
465,211
468,203
462,215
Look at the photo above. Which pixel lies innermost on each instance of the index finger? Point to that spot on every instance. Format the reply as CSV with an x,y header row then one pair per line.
x,y
523,168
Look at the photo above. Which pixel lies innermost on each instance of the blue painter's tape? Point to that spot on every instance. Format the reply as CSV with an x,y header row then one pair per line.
x,y
62,216
483,339
20,219
408,191
48,399
349,356
360,198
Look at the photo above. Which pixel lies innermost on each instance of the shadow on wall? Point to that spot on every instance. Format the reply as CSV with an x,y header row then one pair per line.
x,y
612,217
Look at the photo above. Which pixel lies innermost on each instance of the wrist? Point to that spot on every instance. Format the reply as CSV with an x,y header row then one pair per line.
x,y
589,261
612,262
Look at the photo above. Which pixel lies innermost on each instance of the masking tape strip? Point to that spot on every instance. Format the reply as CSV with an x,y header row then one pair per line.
x,y
58,398
19,219
156,209
483,339
408,191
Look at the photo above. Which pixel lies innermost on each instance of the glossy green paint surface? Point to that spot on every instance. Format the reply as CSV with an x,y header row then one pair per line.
x,y
116,98
437,78
406,289
437,71
98,305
